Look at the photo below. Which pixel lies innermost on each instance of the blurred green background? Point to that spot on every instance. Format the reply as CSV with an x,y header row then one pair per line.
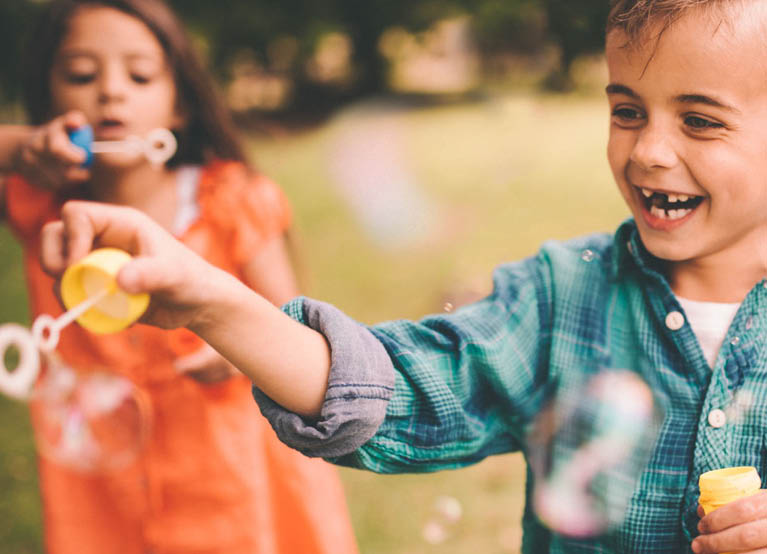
x,y
414,166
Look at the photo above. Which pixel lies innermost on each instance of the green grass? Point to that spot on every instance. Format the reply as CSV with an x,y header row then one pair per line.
x,y
500,177
19,501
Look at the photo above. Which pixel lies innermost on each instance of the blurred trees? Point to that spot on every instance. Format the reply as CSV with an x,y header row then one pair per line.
x,y
328,51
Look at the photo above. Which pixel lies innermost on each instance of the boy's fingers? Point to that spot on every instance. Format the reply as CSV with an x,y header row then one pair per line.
x,y
748,537
53,255
740,511
86,223
143,275
79,231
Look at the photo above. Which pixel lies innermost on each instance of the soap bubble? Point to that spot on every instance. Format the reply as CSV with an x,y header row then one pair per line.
x,y
740,408
90,422
587,450
446,512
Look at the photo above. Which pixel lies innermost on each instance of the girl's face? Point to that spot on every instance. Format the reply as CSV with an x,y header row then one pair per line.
x,y
111,67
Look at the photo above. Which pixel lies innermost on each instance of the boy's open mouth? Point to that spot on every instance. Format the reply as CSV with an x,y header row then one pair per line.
x,y
669,206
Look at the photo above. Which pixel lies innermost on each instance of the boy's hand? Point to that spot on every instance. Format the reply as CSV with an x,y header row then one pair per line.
x,y
206,366
288,361
180,282
740,526
48,158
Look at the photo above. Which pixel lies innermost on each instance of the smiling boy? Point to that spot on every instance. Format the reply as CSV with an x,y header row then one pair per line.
x,y
677,294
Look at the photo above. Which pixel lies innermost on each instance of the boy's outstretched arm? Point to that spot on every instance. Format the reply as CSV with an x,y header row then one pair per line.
x,y
287,361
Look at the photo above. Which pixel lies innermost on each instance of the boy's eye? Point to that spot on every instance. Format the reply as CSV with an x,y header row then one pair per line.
x,y
699,123
627,115
140,79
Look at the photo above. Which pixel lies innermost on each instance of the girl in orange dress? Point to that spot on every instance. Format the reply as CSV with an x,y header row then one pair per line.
x,y
212,476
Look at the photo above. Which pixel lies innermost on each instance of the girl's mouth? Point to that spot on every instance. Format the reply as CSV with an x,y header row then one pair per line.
x,y
110,129
668,206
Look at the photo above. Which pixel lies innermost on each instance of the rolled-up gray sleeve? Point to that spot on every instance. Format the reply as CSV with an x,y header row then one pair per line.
x,y
360,384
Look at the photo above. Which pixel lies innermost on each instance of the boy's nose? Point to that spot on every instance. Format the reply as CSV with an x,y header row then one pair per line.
x,y
653,148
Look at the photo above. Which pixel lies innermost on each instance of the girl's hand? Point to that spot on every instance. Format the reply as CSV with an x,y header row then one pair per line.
x,y
206,366
181,283
740,526
48,158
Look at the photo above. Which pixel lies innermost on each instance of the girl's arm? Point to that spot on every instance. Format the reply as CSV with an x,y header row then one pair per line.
x,y
270,272
286,360
12,137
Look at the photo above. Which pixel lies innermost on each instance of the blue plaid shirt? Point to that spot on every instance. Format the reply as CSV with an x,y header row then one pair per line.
x,y
465,385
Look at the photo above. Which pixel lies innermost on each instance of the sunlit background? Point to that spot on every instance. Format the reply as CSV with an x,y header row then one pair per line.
x,y
421,144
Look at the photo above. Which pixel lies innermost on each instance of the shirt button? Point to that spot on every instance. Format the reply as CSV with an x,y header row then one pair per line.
x,y
717,418
674,320
587,255
735,341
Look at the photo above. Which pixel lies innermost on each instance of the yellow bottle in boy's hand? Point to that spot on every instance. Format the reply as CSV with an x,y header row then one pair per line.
x,y
722,486
92,275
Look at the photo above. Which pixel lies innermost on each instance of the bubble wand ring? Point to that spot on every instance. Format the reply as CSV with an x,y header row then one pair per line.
x,y
18,383
43,338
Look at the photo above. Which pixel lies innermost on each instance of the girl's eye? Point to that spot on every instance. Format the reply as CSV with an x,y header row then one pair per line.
x,y
80,78
140,79
700,123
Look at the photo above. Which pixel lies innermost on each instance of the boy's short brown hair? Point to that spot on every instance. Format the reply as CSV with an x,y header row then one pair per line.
x,y
635,16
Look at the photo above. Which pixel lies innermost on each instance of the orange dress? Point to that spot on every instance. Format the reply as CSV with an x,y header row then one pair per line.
x,y
213,477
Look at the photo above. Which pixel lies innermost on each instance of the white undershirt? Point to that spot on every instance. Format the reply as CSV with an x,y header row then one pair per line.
x,y
709,322
187,209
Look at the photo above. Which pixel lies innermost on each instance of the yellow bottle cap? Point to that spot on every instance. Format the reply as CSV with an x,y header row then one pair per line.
x,y
91,275
720,486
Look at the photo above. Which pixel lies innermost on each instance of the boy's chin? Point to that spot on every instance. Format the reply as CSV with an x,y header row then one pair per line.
x,y
667,250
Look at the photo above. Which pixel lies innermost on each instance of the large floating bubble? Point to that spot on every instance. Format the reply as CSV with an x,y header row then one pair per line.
x,y
587,450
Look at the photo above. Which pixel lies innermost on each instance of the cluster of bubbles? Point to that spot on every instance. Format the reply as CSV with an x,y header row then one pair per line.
x,y
90,422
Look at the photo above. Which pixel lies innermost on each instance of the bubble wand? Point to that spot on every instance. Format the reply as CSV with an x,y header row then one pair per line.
x,y
158,145
89,291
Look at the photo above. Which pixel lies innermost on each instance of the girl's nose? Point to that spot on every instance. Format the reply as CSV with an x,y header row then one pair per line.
x,y
653,148
112,84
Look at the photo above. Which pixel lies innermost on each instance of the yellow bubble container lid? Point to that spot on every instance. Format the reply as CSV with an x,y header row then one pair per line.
x,y
90,276
722,486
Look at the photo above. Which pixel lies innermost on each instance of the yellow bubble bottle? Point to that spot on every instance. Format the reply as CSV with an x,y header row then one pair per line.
x,y
94,274
721,486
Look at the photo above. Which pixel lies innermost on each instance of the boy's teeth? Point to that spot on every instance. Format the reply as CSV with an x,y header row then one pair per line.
x,y
647,193
671,197
683,197
669,214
